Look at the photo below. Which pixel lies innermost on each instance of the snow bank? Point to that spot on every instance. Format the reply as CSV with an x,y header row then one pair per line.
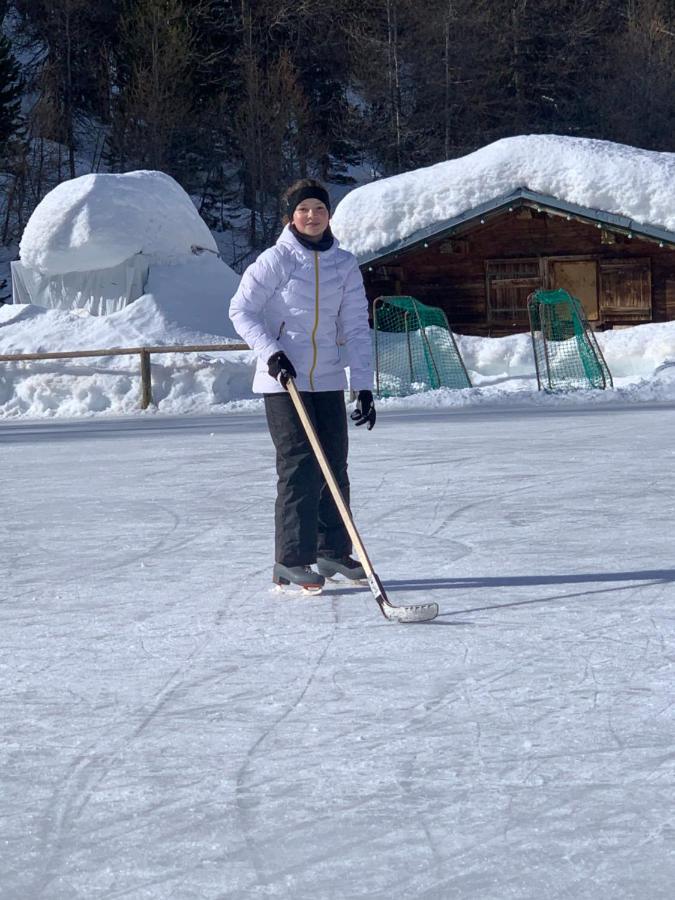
x,y
639,184
185,304
99,221
642,361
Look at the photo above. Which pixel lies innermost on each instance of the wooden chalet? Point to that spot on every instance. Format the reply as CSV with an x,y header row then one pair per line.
x,y
481,266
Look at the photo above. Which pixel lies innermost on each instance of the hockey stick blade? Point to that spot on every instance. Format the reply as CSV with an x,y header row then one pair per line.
x,y
423,612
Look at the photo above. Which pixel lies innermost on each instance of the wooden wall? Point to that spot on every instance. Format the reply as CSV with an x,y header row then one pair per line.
x,y
452,272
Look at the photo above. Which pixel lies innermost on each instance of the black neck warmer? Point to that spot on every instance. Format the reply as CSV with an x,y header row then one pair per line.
x,y
325,243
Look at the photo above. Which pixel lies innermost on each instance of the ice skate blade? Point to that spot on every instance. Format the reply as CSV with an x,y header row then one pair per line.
x,y
298,590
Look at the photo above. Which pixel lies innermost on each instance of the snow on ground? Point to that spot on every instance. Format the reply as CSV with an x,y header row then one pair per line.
x,y
592,173
174,728
642,359
184,303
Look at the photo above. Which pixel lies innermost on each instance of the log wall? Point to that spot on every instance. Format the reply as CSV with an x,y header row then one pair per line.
x,y
452,272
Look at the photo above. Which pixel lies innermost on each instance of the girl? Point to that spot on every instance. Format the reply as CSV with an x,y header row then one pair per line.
x,y
302,309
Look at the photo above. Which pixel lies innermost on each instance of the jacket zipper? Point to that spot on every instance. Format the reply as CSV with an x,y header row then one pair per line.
x,y
316,318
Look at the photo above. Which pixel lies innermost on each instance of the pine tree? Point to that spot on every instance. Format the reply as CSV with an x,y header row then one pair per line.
x,y
155,56
11,87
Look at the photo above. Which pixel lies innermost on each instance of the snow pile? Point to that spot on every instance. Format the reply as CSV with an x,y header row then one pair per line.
x,y
642,361
638,184
99,221
184,304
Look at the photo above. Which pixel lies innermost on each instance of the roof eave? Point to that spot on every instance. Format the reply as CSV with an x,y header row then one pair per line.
x,y
520,197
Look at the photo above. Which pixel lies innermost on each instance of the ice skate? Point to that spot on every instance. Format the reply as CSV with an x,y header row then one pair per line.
x,y
349,568
302,577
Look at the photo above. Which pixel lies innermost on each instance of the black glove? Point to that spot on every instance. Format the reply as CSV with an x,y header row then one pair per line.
x,y
364,411
280,367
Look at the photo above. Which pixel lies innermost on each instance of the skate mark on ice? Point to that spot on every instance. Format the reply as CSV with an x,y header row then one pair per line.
x,y
452,513
128,559
89,770
243,775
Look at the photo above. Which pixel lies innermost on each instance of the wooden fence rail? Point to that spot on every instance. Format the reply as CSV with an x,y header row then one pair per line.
x,y
143,352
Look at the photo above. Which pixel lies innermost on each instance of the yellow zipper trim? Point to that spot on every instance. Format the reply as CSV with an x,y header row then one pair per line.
x,y
316,318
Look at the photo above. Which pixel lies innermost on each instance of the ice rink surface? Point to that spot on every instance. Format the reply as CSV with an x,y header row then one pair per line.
x,y
173,729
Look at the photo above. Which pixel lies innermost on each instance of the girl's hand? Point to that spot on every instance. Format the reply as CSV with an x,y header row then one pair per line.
x,y
364,411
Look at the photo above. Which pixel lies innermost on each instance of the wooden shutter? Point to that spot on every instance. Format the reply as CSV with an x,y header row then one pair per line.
x,y
625,290
509,284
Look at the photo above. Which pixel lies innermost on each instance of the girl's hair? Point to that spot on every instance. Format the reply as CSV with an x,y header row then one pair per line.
x,y
296,186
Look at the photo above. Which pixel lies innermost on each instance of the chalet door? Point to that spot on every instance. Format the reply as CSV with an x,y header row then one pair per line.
x,y
580,278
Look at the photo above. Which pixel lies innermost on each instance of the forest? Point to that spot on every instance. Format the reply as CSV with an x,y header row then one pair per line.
x,y
236,98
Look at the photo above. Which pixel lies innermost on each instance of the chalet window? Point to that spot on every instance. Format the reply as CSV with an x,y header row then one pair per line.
x,y
625,290
509,284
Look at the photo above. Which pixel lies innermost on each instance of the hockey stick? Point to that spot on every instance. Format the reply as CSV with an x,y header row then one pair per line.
x,y
421,613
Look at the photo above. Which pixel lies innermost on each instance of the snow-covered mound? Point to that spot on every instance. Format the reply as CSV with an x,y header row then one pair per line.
x,y
194,296
615,178
99,221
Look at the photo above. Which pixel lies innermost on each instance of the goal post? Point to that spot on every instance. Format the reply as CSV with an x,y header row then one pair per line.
x,y
415,349
567,355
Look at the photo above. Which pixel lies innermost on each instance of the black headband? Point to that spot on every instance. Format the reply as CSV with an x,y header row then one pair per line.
x,y
304,193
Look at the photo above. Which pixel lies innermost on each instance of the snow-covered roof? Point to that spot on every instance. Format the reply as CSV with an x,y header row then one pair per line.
x,y
638,186
98,221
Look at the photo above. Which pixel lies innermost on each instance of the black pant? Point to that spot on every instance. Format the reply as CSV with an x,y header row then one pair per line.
x,y
306,520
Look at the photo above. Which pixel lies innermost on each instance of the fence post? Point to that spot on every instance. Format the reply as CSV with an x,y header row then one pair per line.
x,y
146,379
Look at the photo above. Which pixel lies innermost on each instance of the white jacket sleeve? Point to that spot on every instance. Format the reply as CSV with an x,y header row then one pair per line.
x,y
258,285
356,331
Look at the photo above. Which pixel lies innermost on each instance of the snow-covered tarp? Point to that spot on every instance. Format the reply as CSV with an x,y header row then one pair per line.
x,y
98,243
599,175
99,221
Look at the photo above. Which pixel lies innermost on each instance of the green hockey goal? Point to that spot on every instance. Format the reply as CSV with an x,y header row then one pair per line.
x,y
415,350
566,353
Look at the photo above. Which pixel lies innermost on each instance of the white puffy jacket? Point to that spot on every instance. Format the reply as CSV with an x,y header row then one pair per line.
x,y
312,305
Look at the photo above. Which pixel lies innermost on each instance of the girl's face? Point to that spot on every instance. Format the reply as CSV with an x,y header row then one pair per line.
x,y
311,217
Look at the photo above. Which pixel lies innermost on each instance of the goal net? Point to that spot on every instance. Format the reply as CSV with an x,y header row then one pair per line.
x,y
415,350
566,352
